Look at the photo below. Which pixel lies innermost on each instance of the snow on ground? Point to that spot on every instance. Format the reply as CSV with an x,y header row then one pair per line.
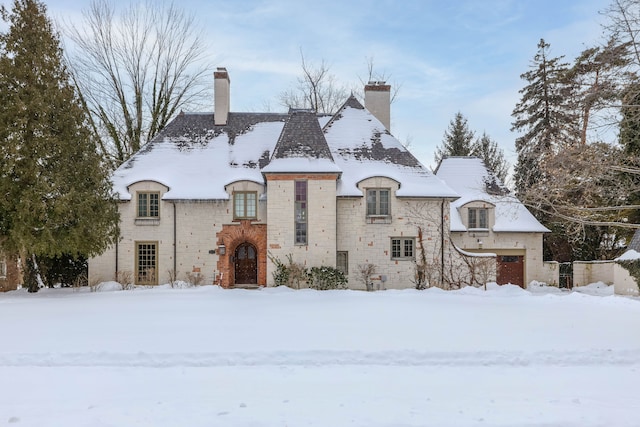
x,y
276,357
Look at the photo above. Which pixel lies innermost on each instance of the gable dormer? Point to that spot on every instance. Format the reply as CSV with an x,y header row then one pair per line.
x,y
301,147
478,216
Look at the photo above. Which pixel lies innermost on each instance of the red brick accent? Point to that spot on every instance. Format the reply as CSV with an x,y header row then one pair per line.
x,y
221,73
231,236
378,88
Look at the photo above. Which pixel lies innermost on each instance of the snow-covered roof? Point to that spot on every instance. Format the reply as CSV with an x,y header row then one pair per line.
x,y
469,177
363,148
196,159
635,241
629,255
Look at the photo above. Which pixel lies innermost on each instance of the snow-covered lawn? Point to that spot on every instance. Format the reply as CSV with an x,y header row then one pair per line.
x,y
276,357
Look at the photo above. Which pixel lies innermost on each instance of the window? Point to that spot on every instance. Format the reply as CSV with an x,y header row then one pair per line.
x,y
478,218
301,212
146,263
3,269
402,248
378,201
342,262
245,204
148,205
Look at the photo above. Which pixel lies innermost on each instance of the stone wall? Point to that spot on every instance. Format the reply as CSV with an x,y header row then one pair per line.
x,y
320,249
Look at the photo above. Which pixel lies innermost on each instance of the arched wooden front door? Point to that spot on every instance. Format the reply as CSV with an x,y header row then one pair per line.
x,y
246,264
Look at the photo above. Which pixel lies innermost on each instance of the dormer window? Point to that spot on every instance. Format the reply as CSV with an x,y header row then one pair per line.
x,y
378,202
148,204
245,204
478,218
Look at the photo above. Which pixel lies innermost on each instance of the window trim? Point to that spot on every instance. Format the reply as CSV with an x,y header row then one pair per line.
x,y
402,256
477,223
377,191
301,214
246,205
3,268
137,263
148,204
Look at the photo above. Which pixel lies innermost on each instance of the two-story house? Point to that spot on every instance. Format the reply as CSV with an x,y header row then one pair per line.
x,y
218,194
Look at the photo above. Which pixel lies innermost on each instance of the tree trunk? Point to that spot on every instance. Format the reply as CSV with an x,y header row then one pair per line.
x,y
31,274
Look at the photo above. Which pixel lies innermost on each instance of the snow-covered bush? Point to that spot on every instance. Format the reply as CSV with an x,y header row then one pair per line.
x,y
325,278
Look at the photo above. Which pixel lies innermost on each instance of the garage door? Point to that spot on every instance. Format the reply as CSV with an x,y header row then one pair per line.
x,y
511,270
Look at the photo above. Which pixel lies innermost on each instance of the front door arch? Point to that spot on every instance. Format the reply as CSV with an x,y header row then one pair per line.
x,y
246,264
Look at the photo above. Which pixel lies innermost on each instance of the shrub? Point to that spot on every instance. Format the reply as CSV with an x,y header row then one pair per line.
x,y
365,271
195,278
289,275
125,279
325,278
281,274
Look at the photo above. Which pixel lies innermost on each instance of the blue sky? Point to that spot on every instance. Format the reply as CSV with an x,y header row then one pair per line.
x,y
447,56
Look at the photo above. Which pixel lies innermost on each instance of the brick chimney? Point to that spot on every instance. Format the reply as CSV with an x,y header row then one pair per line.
x,y
221,96
377,99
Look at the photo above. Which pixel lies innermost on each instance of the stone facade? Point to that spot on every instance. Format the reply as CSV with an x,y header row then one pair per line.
x,y
335,224
195,228
526,245
368,240
320,247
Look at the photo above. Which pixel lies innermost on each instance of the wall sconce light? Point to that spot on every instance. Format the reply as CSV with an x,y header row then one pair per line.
x,y
480,243
222,250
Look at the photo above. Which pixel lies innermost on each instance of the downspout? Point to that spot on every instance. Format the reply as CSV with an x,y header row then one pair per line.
x,y
116,272
175,241
442,243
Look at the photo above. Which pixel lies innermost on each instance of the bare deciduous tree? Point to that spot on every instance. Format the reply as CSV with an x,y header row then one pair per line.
x,y
316,89
373,74
365,271
624,26
587,197
135,71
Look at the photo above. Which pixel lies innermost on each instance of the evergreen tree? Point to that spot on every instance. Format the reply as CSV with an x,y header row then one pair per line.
x,y
56,196
487,149
544,117
629,139
595,78
458,139
629,136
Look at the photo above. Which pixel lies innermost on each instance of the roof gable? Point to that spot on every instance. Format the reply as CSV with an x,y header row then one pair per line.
x,y
474,182
362,147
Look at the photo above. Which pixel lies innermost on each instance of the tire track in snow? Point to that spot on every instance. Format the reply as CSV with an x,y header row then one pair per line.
x,y
323,358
